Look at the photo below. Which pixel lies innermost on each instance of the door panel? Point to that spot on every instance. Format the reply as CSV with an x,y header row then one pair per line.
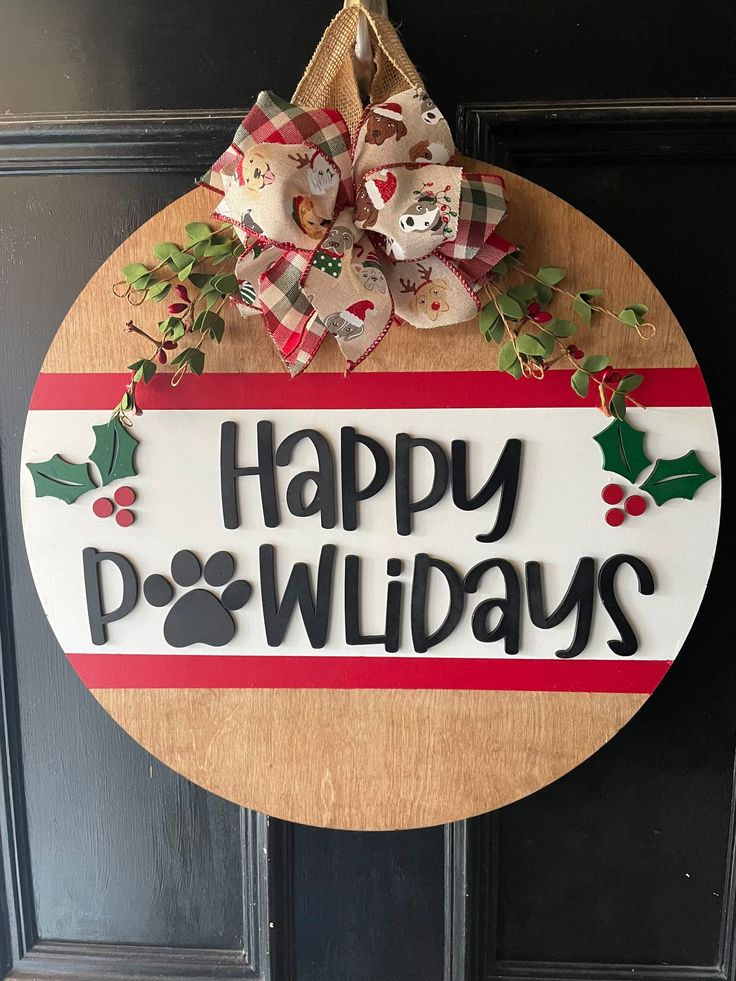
x,y
114,867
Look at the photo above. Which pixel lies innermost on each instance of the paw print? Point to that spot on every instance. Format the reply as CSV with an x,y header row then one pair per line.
x,y
199,616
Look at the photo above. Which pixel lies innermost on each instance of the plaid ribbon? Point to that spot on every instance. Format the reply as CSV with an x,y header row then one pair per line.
x,y
348,238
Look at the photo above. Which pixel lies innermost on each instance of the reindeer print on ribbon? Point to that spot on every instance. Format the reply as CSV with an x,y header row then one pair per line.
x,y
348,237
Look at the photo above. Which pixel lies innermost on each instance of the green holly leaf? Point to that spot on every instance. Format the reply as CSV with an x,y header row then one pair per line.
x,y
623,449
679,478
58,478
114,452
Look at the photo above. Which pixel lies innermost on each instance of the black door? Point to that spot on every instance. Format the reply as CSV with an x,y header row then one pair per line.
x,y
112,866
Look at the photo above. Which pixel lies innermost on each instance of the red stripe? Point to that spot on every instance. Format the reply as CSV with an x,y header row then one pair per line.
x,y
362,390
268,671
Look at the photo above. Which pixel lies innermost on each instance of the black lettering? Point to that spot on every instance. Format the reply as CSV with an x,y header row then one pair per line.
x,y
351,494
629,642
229,472
423,564
353,634
315,612
97,615
505,477
579,597
406,506
508,627
323,479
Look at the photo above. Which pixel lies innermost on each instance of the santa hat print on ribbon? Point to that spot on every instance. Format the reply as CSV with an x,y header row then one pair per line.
x,y
392,110
381,188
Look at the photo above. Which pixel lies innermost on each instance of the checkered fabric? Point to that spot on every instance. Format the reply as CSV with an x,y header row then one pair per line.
x,y
415,205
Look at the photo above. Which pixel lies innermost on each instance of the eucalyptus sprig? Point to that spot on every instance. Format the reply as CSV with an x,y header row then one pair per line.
x,y
190,267
530,337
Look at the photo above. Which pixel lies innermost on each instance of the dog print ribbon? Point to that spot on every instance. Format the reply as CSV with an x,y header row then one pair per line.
x,y
348,238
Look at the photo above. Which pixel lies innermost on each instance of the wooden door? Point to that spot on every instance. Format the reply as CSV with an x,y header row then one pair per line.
x,y
112,866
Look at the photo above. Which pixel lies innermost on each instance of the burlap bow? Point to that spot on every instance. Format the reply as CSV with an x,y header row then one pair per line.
x,y
348,238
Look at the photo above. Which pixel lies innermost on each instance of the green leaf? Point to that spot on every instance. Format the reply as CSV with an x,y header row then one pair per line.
x,y
548,343
580,383
198,231
225,284
114,452
158,291
181,260
633,315
184,273
590,294
200,280
507,357
595,362
551,275
678,478
515,370
529,344
509,307
136,273
170,326
629,382
617,405
524,293
623,449
165,250
561,328
192,357
490,323
544,294
144,370
210,323
58,478
583,310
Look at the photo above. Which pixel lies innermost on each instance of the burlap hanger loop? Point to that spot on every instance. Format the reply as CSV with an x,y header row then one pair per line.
x,y
329,80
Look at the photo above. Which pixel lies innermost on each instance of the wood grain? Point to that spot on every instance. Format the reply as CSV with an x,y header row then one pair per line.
x,y
375,759
370,759
552,231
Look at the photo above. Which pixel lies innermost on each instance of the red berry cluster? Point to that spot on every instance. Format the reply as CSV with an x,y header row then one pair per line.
x,y
174,310
574,351
103,507
537,314
611,377
634,505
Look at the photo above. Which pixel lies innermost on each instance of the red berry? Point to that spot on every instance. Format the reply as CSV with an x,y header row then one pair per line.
x,y
124,496
103,507
125,518
543,317
181,292
170,345
161,357
611,494
635,505
615,517
533,309
614,378
175,308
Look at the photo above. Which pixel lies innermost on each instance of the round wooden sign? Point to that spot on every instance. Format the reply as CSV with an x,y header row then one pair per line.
x,y
386,600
